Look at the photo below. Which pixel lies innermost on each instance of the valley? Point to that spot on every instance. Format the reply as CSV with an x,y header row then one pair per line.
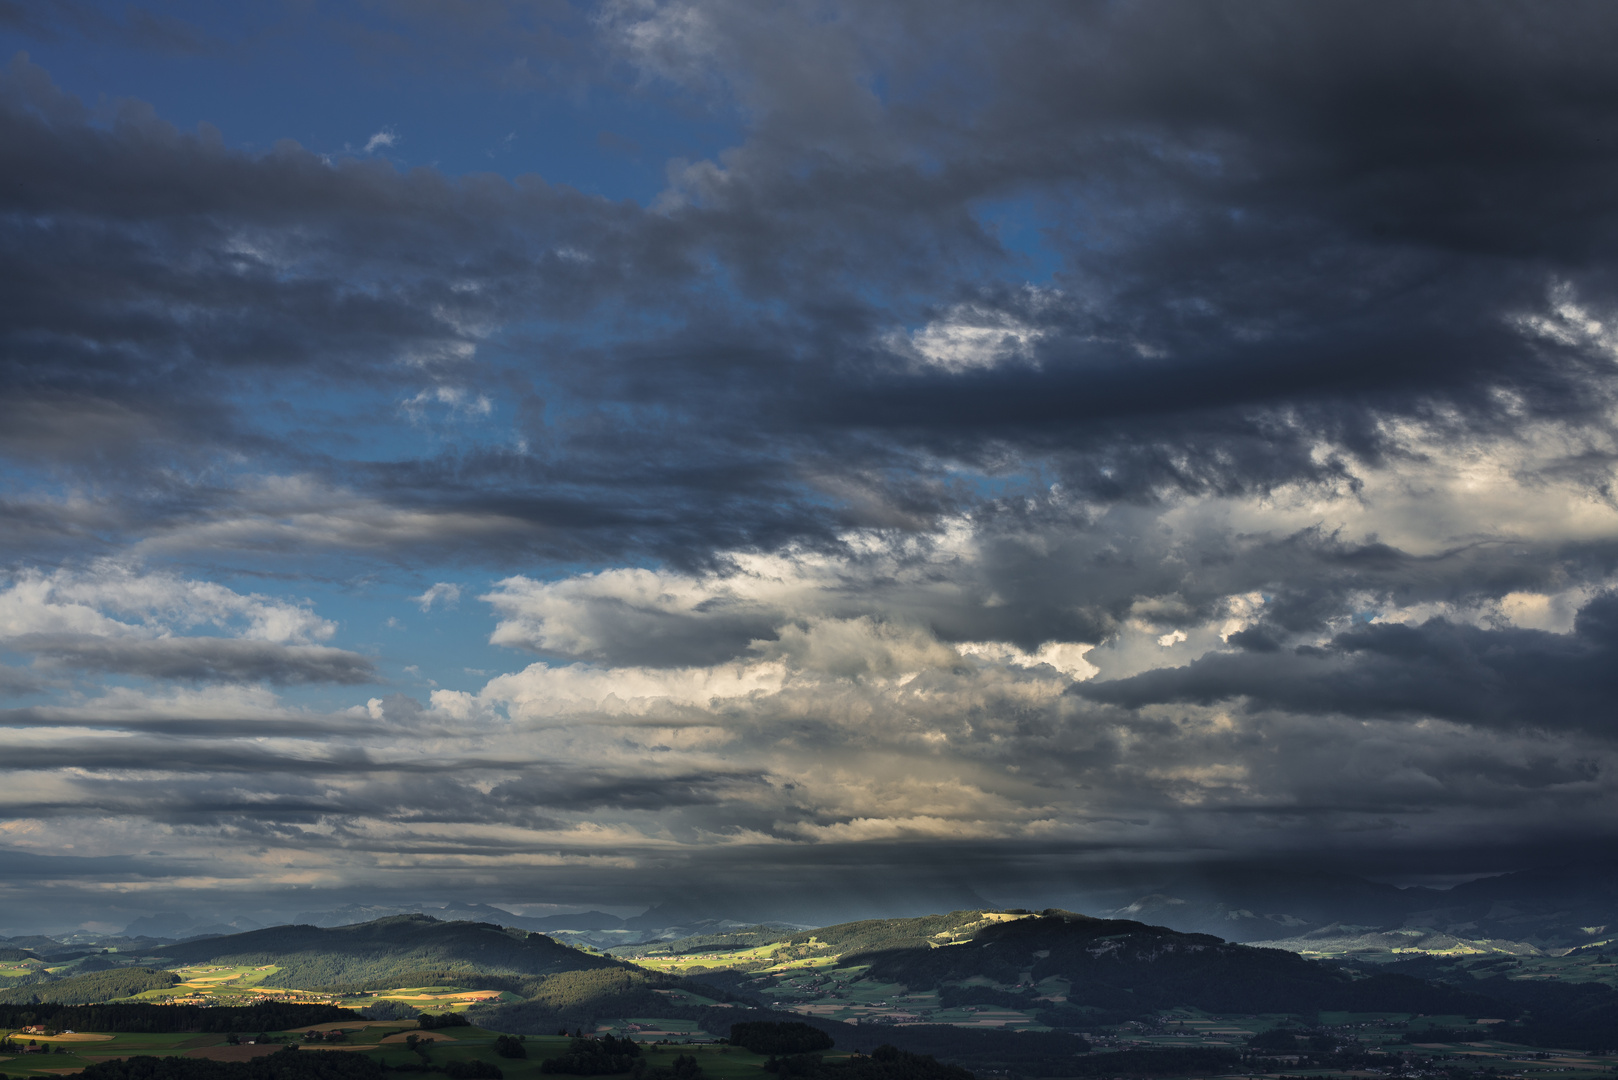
x,y
1036,994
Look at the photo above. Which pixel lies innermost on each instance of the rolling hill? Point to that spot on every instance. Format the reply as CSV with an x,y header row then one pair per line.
x,y
1054,968
402,950
1116,965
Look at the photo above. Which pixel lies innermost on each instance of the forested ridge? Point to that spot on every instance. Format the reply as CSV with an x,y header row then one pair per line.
x,y
97,986
403,950
144,1017
1119,966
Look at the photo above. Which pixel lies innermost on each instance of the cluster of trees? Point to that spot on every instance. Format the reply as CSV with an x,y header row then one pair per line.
x,y
507,1047
886,1062
954,997
582,997
1030,1053
750,938
1282,1041
773,1037
1027,1052
684,1067
1580,1015
455,1069
882,935
594,1057
288,1064
1059,1014
94,987
144,1017
430,1022
1548,1012
1171,1061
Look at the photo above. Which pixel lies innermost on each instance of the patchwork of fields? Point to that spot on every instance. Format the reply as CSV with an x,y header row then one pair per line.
x,y
916,982
383,1040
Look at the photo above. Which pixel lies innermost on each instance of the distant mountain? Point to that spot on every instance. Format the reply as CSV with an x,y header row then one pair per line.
x,y
401,950
34,942
175,925
79,944
583,920
673,915
361,913
1532,910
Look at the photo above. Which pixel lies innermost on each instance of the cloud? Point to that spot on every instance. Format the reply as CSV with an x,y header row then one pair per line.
x,y
1493,677
114,618
200,659
446,592
1012,440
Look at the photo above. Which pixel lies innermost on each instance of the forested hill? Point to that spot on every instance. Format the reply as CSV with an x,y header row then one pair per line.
x,y
1119,964
402,950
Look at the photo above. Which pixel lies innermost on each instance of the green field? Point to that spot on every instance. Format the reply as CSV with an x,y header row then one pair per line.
x,y
1384,1036
442,967
74,1052
246,984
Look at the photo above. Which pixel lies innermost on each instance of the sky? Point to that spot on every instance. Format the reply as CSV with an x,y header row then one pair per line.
x,y
799,457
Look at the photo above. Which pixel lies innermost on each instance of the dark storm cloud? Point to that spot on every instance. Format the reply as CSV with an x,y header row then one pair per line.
x,y
201,659
1007,347
1259,247
1492,677
30,866
163,718
592,789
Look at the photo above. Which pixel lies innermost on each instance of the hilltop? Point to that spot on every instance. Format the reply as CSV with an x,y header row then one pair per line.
x,y
1054,968
401,950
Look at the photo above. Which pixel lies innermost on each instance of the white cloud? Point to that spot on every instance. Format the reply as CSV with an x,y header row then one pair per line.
x,y
969,338
457,400
382,140
445,592
1569,322
111,599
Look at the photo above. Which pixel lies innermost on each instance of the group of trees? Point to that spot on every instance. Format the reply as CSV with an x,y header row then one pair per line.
x,y
770,1037
144,1017
88,989
594,1057
288,1064
886,1062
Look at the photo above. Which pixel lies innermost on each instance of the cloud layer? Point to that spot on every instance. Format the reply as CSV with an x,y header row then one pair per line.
x,y
1029,440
